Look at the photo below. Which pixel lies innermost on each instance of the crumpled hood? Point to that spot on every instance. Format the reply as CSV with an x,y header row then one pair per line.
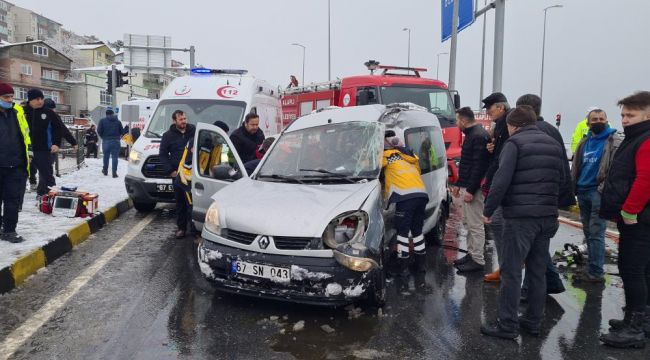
x,y
272,208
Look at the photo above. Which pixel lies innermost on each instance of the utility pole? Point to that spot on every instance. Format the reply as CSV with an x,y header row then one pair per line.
x,y
329,41
114,89
192,57
541,82
482,58
304,82
408,55
499,30
454,46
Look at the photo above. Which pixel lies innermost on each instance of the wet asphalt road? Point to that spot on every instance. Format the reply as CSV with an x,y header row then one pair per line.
x,y
150,302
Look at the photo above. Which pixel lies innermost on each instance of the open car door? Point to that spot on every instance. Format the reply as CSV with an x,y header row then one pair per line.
x,y
212,148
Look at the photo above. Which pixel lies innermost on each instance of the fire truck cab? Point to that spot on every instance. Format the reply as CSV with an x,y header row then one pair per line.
x,y
392,84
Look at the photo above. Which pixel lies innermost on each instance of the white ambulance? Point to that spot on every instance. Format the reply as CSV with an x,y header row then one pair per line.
x,y
206,95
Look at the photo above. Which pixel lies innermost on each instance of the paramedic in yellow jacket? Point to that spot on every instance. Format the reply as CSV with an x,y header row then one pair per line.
x,y
403,186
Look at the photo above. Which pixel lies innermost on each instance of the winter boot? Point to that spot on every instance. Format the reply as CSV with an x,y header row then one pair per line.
x,y
630,336
105,172
618,324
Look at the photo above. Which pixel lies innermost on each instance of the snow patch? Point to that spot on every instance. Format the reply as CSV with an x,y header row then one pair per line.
x,y
353,291
299,326
298,273
212,254
369,354
333,289
206,270
39,229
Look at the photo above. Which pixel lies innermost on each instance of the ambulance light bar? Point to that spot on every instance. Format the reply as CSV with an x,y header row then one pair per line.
x,y
219,71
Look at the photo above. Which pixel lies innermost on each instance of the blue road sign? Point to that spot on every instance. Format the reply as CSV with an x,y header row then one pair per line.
x,y
465,16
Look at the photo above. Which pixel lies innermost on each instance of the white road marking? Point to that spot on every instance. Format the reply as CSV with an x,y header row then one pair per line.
x,y
18,337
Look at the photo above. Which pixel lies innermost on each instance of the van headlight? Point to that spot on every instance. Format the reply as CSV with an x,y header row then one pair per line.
x,y
134,157
212,222
355,263
347,227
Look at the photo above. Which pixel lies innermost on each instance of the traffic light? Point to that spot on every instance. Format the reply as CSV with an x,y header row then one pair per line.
x,y
109,81
122,79
558,119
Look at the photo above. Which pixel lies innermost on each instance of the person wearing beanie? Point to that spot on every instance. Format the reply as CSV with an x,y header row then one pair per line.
x,y
15,152
46,131
526,186
403,186
110,130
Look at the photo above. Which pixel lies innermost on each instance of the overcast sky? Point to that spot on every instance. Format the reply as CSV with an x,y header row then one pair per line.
x,y
597,51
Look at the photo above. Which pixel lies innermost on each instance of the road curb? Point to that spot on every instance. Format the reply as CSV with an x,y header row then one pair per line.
x,y
14,275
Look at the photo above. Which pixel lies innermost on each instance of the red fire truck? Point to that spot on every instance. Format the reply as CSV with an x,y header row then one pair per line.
x,y
393,84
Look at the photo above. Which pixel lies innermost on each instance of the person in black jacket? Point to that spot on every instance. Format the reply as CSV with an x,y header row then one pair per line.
x,y
247,138
566,198
497,108
46,131
91,139
172,147
110,130
526,185
473,165
65,134
626,199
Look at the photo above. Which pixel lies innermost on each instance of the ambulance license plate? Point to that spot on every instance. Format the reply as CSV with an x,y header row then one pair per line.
x,y
165,187
274,273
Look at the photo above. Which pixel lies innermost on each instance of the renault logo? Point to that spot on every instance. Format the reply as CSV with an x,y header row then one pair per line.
x,y
263,242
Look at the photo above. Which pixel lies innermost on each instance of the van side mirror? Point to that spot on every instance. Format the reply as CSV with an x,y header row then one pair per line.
x,y
457,100
225,172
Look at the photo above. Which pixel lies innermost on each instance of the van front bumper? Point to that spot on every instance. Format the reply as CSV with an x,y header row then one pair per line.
x,y
314,280
146,192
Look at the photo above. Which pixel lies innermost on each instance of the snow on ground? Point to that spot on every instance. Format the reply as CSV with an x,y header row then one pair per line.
x,y
38,229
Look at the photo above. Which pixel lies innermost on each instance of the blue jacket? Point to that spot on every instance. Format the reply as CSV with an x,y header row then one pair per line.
x,y
592,152
110,128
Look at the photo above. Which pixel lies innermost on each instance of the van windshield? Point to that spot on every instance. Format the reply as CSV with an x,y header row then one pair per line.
x,y
435,99
205,111
344,152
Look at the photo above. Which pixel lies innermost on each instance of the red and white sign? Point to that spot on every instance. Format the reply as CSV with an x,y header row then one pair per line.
x,y
227,92
183,91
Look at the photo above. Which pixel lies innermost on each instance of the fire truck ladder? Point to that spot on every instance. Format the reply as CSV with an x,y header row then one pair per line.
x,y
314,87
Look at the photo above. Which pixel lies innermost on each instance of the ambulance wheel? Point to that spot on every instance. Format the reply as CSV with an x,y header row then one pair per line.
x,y
143,206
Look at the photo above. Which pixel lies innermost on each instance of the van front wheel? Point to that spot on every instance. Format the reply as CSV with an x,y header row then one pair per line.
x,y
436,236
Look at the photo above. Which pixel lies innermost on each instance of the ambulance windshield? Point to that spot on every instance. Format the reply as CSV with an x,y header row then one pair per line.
x,y
205,111
436,100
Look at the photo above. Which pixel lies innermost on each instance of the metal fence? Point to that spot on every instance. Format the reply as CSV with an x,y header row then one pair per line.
x,y
68,159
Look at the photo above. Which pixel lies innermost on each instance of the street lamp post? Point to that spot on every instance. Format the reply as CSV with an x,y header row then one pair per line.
x,y
303,62
329,40
438,64
408,61
541,83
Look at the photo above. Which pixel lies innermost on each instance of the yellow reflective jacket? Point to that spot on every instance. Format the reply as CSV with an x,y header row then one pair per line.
x,y
581,131
402,180
24,130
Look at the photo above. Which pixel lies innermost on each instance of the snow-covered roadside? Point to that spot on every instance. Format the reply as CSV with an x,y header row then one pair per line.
x,y
38,229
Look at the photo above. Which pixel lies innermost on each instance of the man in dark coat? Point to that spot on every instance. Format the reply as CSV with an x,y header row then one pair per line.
x,y
526,186
15,149
46,131
626,199
172,147
110,130
91,139
497,107
247,138
473,165
566,198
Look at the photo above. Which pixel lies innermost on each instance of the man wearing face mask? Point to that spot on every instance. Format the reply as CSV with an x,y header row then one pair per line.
x,y
591,163
15,150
